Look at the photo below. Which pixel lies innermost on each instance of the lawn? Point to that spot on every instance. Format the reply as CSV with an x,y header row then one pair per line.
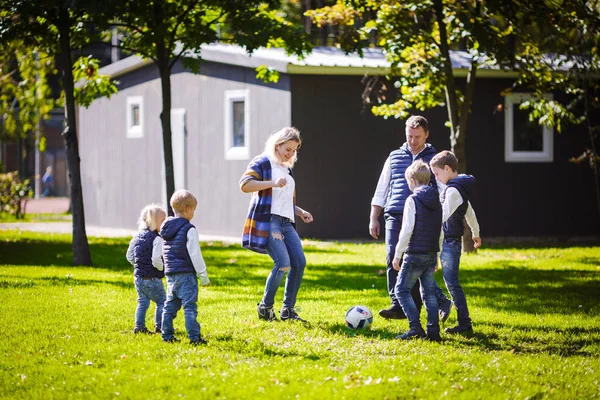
x,y
66,332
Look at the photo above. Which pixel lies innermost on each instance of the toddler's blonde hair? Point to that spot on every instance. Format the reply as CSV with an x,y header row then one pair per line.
x,y
284,135
182,199
419,172
149,216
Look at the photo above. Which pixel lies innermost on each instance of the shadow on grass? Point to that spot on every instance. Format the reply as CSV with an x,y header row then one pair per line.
x,y
256,348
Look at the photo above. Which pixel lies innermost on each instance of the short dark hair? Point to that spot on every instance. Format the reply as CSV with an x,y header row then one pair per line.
x,y
416,121
444,158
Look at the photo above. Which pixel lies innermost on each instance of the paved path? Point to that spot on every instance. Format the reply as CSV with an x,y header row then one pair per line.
x,y
67,228
48,205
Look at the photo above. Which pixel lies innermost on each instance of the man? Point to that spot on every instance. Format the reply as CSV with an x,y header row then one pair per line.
x,y
390,195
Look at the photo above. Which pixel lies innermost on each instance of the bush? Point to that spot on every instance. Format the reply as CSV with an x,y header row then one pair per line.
x,y
12,194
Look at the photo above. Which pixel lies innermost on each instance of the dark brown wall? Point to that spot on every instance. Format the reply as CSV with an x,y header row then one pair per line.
x,y
344,150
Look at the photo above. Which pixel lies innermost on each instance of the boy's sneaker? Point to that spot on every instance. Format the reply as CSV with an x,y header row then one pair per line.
x,y
413,333
172,340
433,337
290,314
459,329
198,342
141,330
394,312
266,313
445,310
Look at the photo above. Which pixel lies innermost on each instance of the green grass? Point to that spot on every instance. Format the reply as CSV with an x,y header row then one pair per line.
x,y
65,332
5,217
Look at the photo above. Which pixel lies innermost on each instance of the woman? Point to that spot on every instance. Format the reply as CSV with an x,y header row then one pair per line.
x,y
269,227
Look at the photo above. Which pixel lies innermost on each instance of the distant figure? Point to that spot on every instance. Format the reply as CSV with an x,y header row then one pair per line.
x,y
47,182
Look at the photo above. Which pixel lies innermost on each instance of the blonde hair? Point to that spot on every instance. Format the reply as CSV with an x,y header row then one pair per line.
x,y
182,199
284,135
419,172
149,217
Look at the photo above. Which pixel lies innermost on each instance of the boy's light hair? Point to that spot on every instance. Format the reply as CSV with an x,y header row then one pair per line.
x,y
419,172
182,199
149,216
418,121
443,158
280,137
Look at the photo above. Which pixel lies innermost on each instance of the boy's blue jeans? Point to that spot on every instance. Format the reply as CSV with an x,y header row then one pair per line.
x,y
287,255
393,226
149,289
450,259
418,267
182,290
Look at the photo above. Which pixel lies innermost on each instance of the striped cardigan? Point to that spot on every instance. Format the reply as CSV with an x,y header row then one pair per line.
x,y
258,223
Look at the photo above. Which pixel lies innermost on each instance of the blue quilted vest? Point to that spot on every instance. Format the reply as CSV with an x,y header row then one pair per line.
x,y
399,191
174,233
428,222
142,255
465,184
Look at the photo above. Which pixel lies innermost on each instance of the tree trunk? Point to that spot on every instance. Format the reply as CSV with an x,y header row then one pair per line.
x,y
165,119
81,251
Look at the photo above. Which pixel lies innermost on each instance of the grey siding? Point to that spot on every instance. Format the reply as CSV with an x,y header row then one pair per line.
x,y
121,175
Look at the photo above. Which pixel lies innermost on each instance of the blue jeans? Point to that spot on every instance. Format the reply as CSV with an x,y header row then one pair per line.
x,y
287,255
182,290
450,259
418,267
151,289
393,225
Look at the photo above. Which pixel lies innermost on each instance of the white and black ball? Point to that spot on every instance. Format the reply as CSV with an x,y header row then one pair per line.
x,y
359,317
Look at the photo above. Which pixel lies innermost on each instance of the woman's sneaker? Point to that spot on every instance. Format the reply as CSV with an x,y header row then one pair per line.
x,y
461,330
290,314
266,313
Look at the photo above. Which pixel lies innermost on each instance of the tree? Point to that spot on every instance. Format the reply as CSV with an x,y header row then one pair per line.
x,y
559,51
169,31
417,38
58,27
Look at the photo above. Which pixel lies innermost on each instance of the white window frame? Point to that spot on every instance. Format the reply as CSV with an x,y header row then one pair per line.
x,y
237,153
137,131
510,155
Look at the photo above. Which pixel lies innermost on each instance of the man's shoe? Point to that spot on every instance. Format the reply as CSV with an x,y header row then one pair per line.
x,y
418,333
459,330
266,313
289,314
445,310
433,337
141,330
393,312
172,340
198,342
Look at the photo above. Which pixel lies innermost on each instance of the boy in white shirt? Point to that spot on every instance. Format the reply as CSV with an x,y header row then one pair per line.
x,y
455,207
183,263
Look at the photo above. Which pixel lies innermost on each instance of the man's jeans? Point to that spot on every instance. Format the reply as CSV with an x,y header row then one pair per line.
x,y
418,267
285,248
149,289
450,258
393,225
182,290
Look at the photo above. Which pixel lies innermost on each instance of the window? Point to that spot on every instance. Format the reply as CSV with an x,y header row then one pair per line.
x,y
135,117
237,125
525,141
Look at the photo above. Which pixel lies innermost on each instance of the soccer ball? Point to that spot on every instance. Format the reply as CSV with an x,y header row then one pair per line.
x,y
359,317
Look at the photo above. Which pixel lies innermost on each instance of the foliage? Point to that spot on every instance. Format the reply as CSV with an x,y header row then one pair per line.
x,y
12,193
25,96
91,84
536,316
